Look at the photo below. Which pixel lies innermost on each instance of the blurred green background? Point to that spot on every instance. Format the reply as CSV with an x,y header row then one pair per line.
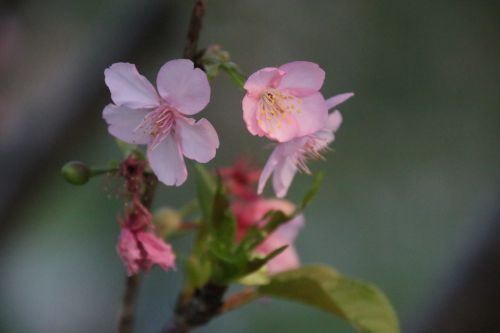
x,y
414,172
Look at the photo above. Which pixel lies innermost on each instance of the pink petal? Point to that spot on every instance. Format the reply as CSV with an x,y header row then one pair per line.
x,y
338,99
129,251
157,251
302,77
334,121
123,123
283,177
290,230
198,141
167,162
250,106
267,77
271,164
312,116
129,88
287,260
184,87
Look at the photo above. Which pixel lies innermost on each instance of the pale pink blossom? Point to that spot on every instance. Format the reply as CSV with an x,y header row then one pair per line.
x,y
289,157
252,213
285,103
159,118
142,250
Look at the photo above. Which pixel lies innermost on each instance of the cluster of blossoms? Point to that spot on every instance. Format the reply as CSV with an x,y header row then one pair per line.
x,y
283,104
250,210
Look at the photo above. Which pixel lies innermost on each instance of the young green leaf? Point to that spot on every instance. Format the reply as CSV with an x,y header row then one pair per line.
x,y
363,305
311,193
205,187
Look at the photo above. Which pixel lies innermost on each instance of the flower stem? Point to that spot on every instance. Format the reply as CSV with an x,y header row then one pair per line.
x,y
126,321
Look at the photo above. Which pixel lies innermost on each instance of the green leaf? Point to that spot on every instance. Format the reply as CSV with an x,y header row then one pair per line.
x,y
223,222
363,305
257,278
257,263
311,193
205,187
198,271
256,236
216,59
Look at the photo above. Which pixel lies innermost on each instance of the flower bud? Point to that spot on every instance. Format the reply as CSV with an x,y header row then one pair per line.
x,y
76,173
167,221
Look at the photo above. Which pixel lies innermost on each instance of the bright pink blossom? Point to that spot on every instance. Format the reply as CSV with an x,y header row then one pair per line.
x,y
138,246
159,118
251,213
288,157
285,103
142,250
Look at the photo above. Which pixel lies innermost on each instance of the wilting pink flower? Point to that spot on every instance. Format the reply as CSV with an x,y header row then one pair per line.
x,y
288,157
142,115
142,250
251,213
138,246
240,179
285,103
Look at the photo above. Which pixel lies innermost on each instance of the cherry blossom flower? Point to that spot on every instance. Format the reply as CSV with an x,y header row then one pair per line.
x,y
289,157
143,249
159,118
240,179
138,246
251,213
285,103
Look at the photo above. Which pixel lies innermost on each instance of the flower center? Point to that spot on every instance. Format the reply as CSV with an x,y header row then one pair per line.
x,y
158,124
276,108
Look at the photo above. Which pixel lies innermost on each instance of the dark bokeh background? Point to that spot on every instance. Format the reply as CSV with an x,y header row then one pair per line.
x,y
411,187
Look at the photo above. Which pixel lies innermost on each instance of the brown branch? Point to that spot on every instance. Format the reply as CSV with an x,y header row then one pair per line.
x,y
126,322
198,309
239,299
195,25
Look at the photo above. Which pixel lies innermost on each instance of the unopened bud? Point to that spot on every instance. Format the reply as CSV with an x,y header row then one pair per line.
x,y
76,173
167,221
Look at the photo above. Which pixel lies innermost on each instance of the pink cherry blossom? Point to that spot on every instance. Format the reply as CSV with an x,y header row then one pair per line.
x,y
142,250
251,213
140,114
285,103
289,157
138,246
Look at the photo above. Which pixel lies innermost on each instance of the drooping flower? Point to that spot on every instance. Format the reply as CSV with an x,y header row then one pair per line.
x,y
251,213
159,118
285,103
289,157
138,246
142,250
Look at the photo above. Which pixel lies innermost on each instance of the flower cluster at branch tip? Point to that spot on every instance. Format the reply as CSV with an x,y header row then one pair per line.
x,y
159,118
138,245
285,105
250,209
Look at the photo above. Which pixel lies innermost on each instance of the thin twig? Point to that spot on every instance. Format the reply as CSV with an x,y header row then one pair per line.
x,y
195,25
239,299
126,321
